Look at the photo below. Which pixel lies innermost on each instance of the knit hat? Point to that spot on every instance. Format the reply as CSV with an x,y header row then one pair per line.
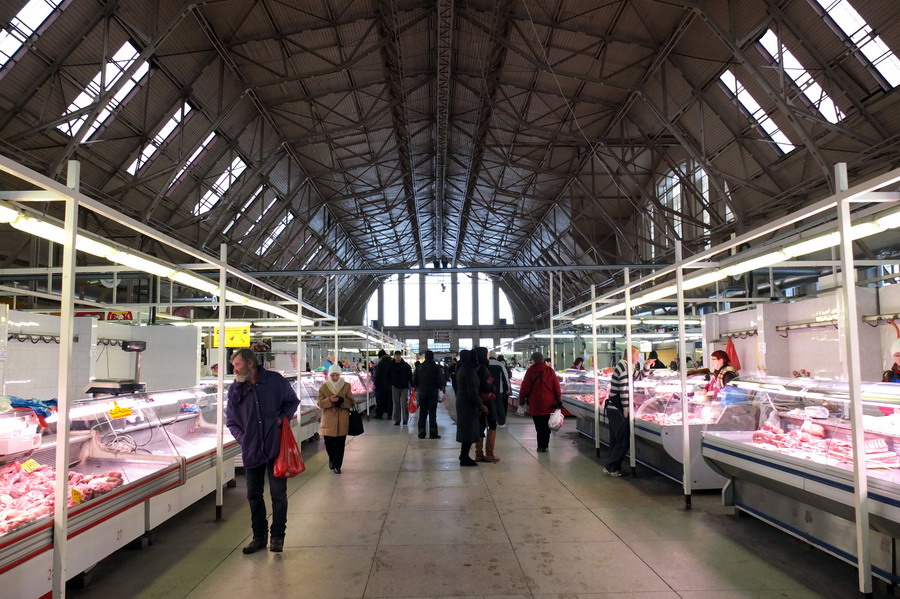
x,y
537,357
895,346
335,369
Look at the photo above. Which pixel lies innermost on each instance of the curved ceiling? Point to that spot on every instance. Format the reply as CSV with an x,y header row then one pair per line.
x,y
384,134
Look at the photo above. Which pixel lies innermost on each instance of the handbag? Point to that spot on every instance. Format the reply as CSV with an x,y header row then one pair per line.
x,y
411,407
289,461
356,424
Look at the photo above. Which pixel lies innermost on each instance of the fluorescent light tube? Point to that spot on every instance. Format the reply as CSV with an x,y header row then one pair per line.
x,y
142,264
704,279
815,244
762,261
7,215
188,280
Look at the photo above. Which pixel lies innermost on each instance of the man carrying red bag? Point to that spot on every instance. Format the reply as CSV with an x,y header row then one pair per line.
x,y
258,399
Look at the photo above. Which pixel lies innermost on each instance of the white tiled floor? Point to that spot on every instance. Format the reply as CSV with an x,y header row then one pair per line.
x,y
404,520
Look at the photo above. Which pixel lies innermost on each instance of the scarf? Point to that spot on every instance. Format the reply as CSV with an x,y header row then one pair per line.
x,y
334,386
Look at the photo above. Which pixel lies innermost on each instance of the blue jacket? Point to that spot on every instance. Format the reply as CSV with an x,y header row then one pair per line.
x,y
253,415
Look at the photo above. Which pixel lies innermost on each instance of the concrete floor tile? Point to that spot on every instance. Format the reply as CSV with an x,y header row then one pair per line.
x,y
441,498
612,493
329,529
460,477
339,573
579,568
444,527
714,564
745,594
524,497
656,523
647,595
445,570
348,499
554,526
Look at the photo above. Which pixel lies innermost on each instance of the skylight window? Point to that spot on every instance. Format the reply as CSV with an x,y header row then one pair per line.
x,y
801,77
757,114
23,26
863,37
159,139
243,209
271,237
121,61
197,152
220,187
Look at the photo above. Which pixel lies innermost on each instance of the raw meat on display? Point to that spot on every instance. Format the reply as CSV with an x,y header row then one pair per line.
x,y
807,443
25,497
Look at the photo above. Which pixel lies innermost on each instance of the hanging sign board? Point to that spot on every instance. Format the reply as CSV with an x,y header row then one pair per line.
x,y
234,337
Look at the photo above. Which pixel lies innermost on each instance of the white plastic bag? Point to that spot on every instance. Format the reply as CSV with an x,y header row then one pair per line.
x,y
556,420
520,410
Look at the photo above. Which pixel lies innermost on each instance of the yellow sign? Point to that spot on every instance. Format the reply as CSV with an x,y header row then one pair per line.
x,y
30,466
77,496
234,337
118,412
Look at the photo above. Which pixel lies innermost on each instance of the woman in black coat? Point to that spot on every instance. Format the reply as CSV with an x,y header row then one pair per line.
x,y
468,407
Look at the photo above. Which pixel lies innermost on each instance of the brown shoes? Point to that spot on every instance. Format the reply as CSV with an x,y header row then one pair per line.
x,y
255,545
277,545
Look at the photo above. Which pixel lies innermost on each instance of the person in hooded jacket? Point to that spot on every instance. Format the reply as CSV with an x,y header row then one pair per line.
x,y
336,400
468,406
501,387
484,447
428,379
542,394
258,400
382,382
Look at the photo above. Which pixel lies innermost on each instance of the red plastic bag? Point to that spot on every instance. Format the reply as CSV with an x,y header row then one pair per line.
x,y
412,402
289,461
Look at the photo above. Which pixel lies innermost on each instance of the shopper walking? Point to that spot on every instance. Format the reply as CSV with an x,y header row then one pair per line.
x,y
428,380
382,381
468,406
401,379
258,400
618,406
540,391
488,420
336,400
500,372
452,373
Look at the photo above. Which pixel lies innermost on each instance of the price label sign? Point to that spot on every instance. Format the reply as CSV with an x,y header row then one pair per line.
x,y
118,412
30,466
77,496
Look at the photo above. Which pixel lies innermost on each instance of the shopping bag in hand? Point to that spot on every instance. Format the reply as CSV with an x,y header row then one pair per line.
x,y
289,461
412,402
556,420
522,409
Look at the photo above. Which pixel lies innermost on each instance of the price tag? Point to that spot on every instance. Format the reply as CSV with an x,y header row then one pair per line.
x,y
77,497
30,466
118,412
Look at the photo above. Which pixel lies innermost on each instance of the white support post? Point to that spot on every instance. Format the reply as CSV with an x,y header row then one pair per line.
x,y
552,356
337,342
627,355
596,370
301,359
682,366
220,403
64,374
850,322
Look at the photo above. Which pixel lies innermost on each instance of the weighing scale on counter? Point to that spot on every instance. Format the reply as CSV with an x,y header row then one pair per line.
x,y
100,387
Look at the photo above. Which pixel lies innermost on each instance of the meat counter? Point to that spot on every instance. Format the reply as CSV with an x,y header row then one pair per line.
x,y
360,386
658,426
135,461
795,470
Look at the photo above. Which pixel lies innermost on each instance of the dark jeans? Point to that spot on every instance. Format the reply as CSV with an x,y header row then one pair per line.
x,y
256,481
427,412
503,405
618,440
335,448
383,403
542,426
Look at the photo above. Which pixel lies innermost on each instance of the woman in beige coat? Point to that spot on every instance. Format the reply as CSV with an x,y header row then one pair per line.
x,y
336,401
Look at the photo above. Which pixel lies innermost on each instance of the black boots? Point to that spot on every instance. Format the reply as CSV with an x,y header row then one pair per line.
x,y
276,545
255,545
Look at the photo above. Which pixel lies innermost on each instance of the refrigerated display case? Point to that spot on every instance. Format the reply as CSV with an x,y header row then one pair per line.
x,y
658,426
795,469
135,460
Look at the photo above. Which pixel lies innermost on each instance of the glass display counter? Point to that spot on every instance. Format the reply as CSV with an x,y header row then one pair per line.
x,y
794,467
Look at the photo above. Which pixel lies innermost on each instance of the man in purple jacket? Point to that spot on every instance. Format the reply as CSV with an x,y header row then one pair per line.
x,y
257,401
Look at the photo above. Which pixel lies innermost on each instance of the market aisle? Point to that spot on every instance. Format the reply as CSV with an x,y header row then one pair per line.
x,y
404,520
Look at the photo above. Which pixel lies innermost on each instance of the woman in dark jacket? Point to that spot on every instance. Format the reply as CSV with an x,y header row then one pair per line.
x,y
487,423
468,406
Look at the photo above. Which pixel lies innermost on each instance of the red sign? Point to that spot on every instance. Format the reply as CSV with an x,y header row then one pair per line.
x,y
119,316
97,315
